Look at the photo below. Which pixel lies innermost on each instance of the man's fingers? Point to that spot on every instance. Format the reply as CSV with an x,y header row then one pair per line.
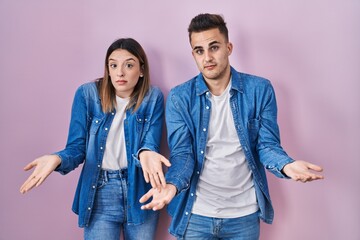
x,y
153,206
29,184
24,187
146,196
40,181
158,206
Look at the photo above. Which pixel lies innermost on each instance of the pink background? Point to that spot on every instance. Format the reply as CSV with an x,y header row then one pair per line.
x,y
310,50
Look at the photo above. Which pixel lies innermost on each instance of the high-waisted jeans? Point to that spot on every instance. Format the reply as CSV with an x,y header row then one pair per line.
x,y
108,218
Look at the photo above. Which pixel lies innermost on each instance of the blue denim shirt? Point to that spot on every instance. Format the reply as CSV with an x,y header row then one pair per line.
x,y
253,105
89,127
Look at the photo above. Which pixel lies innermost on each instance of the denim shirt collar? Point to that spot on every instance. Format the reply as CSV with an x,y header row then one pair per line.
x,y
200,85
236,83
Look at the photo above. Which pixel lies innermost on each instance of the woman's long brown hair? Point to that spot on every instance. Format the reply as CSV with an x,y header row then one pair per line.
x,y
107,90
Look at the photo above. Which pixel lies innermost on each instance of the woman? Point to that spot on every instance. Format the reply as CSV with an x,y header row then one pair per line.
x,y
115,130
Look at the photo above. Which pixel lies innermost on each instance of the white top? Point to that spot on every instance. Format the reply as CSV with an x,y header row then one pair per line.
x,y
225,188
115,150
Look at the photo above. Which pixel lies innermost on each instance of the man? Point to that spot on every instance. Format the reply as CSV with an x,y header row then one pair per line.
x,y
222,132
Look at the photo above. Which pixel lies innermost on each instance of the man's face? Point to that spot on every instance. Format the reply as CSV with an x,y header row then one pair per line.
x,y
211,52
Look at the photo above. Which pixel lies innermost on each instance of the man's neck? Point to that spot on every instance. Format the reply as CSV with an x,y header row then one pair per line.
x,y
218,86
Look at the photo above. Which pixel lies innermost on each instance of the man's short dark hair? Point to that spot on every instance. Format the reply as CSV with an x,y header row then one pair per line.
x,y
207,21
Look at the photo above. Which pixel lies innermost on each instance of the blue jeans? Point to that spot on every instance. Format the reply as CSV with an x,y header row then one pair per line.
x,y
208,228
108,217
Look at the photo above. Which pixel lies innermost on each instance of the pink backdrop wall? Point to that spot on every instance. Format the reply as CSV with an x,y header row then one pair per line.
x,y
309,49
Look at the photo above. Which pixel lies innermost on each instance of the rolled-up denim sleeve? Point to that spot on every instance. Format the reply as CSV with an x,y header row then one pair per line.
x,y
180,142
271,154
152,137
74,153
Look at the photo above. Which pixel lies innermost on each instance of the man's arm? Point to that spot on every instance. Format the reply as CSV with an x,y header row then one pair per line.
x,y
271,154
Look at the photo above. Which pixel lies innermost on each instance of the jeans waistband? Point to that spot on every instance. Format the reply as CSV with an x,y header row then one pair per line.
x,y
108,173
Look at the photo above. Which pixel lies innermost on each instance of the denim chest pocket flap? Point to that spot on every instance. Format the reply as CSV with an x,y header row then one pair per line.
x,y
143,122
95,124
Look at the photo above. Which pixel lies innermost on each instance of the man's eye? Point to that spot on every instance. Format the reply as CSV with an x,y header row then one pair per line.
x,y
214,48
199,52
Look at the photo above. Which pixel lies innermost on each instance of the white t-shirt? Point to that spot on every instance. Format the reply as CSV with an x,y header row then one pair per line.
x,y
225,188
115,150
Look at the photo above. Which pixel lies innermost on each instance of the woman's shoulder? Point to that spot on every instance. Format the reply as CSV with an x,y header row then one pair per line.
x,y
89,89
154,93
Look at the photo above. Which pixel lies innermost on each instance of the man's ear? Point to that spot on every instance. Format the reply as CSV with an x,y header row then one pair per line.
x,y
230,48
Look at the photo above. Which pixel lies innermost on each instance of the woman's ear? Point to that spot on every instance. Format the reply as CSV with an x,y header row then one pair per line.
x,y
142,71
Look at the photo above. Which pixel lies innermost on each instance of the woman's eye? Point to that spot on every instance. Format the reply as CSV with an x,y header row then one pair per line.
x,y
112,65
129,65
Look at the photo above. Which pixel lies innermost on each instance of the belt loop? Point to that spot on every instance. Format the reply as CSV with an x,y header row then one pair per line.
x,y
105,175
123,173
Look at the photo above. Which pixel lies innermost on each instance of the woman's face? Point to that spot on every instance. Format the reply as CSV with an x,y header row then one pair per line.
x,y
124,70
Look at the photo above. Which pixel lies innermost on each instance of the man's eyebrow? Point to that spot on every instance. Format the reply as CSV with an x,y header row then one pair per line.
x,y
197,48
213,42
210,44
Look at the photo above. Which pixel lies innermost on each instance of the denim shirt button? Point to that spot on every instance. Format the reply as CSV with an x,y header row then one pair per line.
x,y
112,113
97,121
93,187
186,213
99,165
101,148
89,208
202,152
198,172
204,129
207,107
192,194
106,129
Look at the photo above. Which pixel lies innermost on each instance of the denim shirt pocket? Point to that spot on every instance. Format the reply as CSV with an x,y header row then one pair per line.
x,y
253,128
95,124
142,123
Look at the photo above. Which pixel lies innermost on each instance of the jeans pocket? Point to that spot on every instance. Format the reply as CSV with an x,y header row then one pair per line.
x,y
101,183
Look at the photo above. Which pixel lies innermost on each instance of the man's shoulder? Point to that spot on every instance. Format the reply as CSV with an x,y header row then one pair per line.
x,y
184,88
251,79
